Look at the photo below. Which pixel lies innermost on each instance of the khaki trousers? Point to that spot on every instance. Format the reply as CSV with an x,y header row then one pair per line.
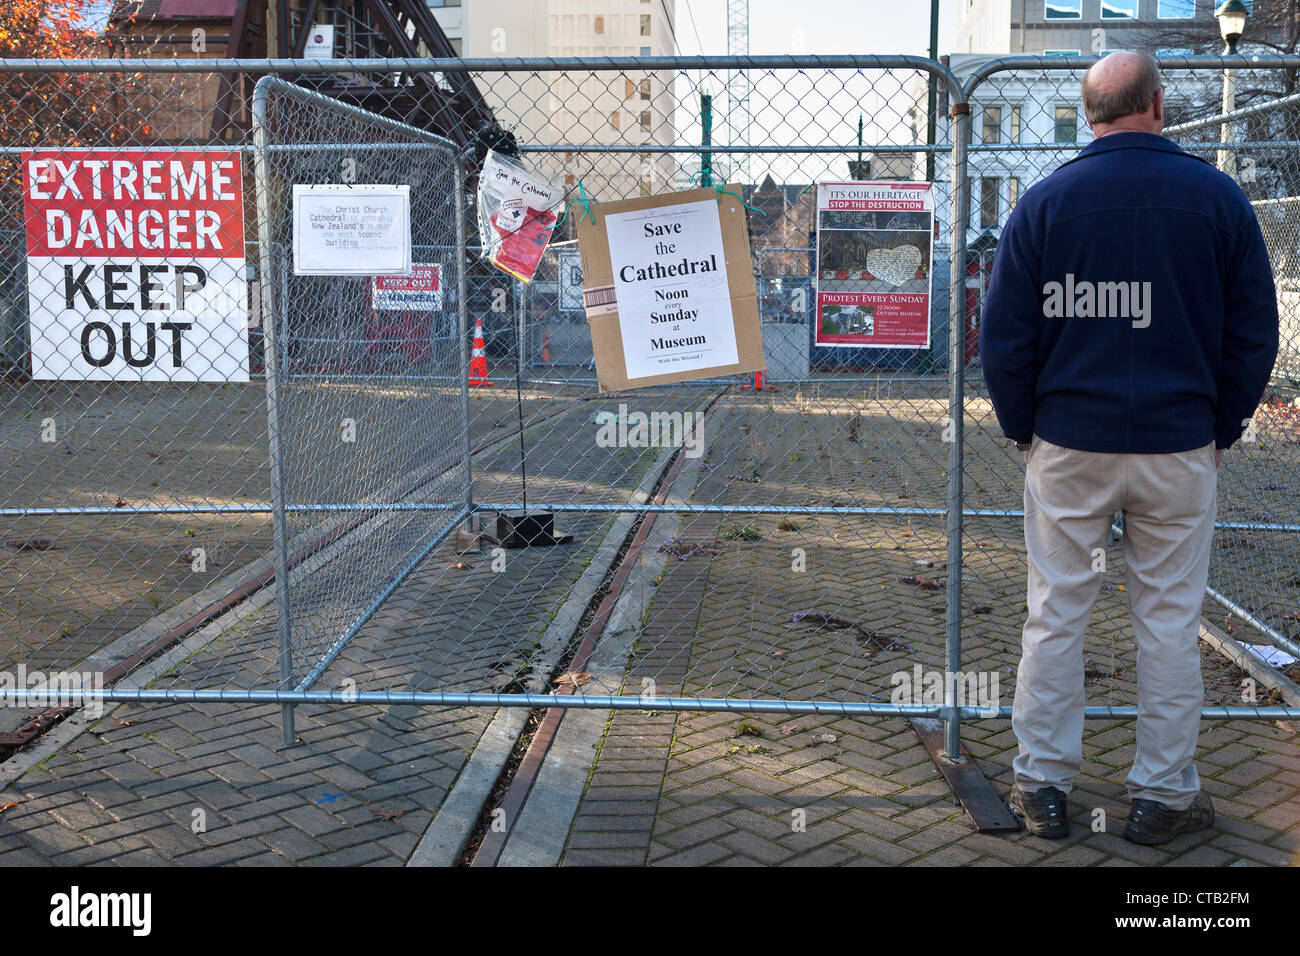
x,y
1169,505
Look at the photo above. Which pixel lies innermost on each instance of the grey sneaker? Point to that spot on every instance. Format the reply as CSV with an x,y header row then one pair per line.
x,y
1151,823
1043,812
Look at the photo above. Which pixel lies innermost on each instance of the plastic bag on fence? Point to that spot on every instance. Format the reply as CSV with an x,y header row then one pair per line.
x,y
515,215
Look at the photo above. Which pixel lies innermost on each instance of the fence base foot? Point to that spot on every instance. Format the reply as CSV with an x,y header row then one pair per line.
x,y
534,529
977,797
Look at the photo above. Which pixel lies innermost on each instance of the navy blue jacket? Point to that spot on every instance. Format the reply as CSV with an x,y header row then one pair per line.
x,y
1131,306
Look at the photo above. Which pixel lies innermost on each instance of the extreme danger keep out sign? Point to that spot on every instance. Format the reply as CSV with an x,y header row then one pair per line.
x,y
135,265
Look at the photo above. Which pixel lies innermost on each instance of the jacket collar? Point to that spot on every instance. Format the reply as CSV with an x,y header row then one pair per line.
x,y
1130,140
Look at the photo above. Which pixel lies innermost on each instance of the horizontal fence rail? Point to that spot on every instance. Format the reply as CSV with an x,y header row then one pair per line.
x,y
802,545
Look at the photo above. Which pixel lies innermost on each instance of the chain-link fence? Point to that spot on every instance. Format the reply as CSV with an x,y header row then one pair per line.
x,y
1026,121
367,418
831,537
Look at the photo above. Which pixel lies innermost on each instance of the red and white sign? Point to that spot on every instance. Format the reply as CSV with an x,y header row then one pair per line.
x,y
874,255
421,291
135,265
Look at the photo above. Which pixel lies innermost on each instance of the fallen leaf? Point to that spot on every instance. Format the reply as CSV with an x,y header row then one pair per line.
x,y
388,814
821,621
683,548
31,544
874,641
926,584
462,566
882,642
1092,672
574,678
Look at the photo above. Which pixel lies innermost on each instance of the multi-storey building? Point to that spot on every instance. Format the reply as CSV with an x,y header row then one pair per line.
x,y
1071,26
601,108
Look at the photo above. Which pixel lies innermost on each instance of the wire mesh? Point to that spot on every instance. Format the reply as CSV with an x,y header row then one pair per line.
x,y
784,542
1026,121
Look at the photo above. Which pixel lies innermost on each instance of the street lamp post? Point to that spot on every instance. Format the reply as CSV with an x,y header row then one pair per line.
x,y
1232,23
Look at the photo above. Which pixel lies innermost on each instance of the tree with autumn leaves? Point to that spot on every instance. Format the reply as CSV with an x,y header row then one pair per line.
x,y
45,29
59,109
44,109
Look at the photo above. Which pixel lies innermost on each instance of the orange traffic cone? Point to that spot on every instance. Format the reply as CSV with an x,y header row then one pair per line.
x,y
478,359
758,385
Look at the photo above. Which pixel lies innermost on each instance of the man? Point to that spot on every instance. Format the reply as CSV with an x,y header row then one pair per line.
x,y
1129,332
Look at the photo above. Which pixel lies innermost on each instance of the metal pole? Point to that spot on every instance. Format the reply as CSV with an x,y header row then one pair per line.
x,y
45,698
523,324
521,299
284,329
956,397
706,138
462,325
1227,159
266,270
932,96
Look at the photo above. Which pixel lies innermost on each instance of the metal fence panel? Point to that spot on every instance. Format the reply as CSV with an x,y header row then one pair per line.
x,y
1027,119
797,545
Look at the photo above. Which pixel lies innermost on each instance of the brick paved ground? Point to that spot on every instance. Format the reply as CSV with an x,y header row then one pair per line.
x,y
360,788
690,788
365,781
666,788
693,789
743,790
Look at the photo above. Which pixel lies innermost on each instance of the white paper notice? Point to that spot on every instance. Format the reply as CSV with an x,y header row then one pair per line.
x,y
362,230
670,282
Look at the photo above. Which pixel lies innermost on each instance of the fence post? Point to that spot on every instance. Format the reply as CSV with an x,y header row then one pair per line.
x,y
462,327
960,127
522,322
706,139
266,272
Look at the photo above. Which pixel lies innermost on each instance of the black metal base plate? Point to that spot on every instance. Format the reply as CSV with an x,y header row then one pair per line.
x,y
536,529
987,810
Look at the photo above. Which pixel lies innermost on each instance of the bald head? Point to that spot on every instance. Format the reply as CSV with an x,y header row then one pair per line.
x,y
1121,92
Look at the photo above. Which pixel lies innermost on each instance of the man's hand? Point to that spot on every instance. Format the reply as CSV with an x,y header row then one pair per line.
x,y
1218,457
1027,456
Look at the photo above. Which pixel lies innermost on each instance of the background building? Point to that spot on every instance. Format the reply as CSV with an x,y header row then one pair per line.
x,y
1096,26
1072,26
608,108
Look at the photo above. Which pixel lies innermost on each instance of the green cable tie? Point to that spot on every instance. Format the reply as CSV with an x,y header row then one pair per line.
x,y
727,192
586,206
